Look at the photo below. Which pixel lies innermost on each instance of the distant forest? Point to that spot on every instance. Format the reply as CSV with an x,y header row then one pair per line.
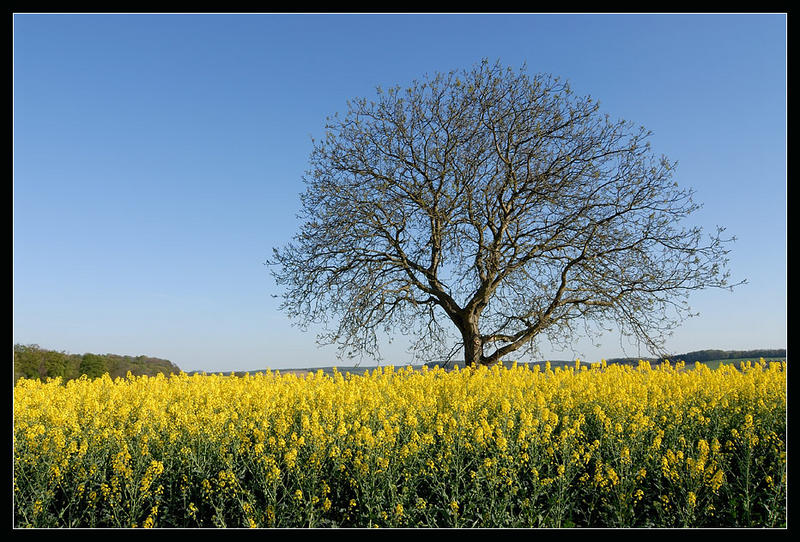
x,y
712,355
31,361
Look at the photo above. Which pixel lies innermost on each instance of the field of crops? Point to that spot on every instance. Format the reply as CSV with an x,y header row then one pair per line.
x,y
599,446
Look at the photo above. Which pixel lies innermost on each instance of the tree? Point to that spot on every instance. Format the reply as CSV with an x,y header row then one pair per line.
x,y
27,360
93,366
499,203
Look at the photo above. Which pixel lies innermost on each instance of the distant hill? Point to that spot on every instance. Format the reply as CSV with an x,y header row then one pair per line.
x,y
31,361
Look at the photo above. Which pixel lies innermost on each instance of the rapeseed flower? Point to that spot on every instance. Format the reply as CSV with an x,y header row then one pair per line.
x,y
190,450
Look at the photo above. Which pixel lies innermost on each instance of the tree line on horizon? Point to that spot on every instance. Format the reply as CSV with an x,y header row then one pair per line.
x,y
33,362
711,355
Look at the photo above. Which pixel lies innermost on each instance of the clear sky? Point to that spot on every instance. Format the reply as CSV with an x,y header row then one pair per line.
x,y
158,159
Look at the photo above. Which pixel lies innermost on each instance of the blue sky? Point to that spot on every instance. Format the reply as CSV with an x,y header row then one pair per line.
x,y
158,159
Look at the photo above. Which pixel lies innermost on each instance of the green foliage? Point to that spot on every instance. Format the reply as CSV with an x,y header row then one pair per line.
x,y
33,362
27,359
93,365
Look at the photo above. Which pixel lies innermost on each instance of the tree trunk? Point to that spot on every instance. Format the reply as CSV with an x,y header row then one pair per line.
x,y
473,346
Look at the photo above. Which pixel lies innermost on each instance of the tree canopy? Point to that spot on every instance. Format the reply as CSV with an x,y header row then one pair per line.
x,y
481,210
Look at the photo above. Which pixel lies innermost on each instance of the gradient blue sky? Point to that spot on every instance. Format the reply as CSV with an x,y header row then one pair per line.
x,y
158,159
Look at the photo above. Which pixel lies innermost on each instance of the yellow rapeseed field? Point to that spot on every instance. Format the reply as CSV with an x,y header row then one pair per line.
x,y
594,445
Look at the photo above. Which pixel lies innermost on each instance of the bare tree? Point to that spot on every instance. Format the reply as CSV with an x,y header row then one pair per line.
x,y
497,202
